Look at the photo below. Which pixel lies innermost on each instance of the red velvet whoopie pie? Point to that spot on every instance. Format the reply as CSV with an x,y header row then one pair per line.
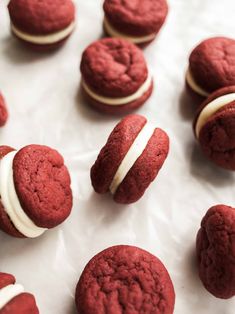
x,y
13,299
34,189
214,127
130,160
211,66
125,279
42,24
115,77
215,248
136,21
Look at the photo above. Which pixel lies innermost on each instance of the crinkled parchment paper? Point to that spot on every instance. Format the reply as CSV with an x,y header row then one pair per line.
x,y
42,92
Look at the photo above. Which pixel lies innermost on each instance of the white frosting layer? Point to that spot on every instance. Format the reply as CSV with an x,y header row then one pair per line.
x,y
11,202
8,293
134,39
211,109
195,87
44,39
119,101
132,155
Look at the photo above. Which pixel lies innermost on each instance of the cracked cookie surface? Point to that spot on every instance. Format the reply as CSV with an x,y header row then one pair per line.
x,y
125,280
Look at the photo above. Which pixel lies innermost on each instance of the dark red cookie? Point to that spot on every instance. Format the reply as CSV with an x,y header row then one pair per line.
x,y
22,303
3,111
42,185
217,135
216,251
115,69
212,64
146,164
137,21
125,279
42,18
6,279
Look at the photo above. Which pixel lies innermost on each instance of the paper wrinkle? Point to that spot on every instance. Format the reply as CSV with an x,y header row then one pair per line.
x,y
46,107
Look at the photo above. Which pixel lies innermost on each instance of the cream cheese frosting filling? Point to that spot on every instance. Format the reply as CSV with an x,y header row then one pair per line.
x,y
44,39
134,39
10,200
134,152
211,109
195,87
122,100
8,293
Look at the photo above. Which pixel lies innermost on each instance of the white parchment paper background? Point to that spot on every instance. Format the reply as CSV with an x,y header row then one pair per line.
x,y
42,92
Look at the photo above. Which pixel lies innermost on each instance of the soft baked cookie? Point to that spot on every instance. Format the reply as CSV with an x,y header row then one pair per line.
x,y
125,279
211,66
136,21
115,77
214,127
130,160
3,111
216,251
13,299
34,189
42,24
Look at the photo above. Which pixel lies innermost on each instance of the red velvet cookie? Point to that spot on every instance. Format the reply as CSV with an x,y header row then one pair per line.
x,y
3,111
214,127
115,77
42,24
13,299
125,279
136,21
216,251
212,66
130,160
35,190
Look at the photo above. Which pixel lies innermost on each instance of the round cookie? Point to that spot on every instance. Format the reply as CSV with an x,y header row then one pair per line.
x,y
211,66
214,127
34,189
3,111
215,251
125,279
130,160
13,299
42,24
136,21
115,76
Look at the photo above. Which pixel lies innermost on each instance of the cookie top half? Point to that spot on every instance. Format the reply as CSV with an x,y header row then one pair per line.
x,y
42,183
137,18
41,17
